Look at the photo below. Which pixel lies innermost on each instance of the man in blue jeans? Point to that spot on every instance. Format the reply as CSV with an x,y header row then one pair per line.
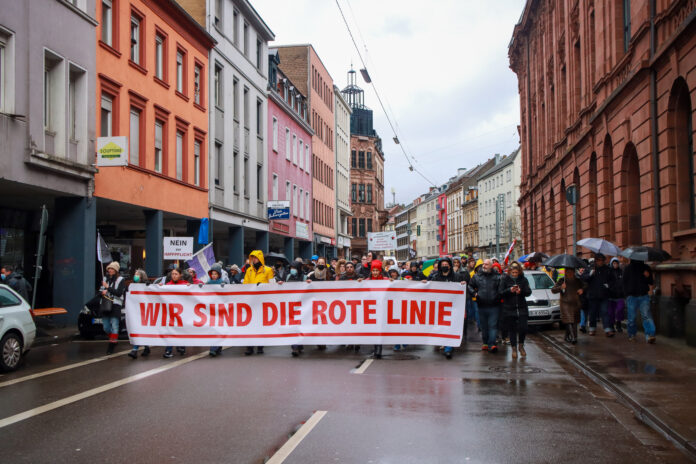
x,y
638,283
484,287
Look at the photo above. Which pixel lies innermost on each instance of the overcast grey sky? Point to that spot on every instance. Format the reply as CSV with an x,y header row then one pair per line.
x,y
441,68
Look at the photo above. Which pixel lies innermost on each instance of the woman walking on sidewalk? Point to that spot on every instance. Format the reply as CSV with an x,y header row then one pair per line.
x,y
113,288
571,289
514,289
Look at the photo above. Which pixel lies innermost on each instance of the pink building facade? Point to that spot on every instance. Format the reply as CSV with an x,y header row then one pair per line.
x,y
289,163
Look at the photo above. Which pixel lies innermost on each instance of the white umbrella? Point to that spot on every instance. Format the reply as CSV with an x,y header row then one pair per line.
x,y
599,245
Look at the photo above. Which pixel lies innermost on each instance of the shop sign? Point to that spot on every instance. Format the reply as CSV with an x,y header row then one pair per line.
x,y
278,210
112,151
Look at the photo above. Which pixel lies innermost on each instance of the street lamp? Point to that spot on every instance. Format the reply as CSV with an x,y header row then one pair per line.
x,y
572,198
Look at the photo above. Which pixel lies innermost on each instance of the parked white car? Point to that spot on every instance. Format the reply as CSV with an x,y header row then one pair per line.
x,y
544,306
17,328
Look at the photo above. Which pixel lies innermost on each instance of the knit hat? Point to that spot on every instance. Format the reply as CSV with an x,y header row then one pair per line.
x,y
234,268
114,265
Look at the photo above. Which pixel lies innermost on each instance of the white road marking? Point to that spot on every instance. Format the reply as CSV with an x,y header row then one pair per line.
x,y
285,450
95,391
61,369
363,367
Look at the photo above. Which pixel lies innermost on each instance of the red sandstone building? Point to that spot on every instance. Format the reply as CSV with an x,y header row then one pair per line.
x,y
606,93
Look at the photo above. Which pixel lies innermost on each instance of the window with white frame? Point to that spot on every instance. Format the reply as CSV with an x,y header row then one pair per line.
x,y
106,116
287,143
197,76
219,164
294,149
307,158
287,190
54,93
307,205
134,140
159,137
217,84
159,57
275,135
301,204
135,39
107,24
274,193
197,163
218,14
179,155
300,150
179,71
509,175
294,200
77,104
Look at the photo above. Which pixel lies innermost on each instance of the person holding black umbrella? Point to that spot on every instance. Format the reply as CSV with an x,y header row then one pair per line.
x,y
638,284
599,280
571,289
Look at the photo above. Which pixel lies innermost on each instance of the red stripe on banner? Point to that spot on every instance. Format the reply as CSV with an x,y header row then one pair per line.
x,y
327,290
345,334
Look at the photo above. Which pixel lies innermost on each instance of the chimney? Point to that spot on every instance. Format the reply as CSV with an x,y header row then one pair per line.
x,y
460,171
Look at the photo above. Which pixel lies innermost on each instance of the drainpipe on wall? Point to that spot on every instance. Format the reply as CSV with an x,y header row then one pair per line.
x,y
653,128
529,151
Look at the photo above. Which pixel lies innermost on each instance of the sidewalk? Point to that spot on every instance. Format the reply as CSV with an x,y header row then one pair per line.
x,y
657,381
49,332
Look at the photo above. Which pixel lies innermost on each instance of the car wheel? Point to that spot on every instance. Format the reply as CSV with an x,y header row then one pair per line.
x,y
84,325
11,351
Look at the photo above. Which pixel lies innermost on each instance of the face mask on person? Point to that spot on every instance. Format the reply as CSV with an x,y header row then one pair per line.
x,y
136,279
293,271
444,269
321,267
257,265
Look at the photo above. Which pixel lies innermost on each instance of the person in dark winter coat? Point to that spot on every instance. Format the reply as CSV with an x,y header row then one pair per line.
x,y
16,282
176,277
414,272
139,277
350,273
617,304
599,280
484,287
295,273
514,289
364,269
638,283
376,273
113,289
446,273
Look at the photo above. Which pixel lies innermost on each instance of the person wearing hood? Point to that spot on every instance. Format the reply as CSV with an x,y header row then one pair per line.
x,y
215,278
375,274
457,264
113,290
445,273
484,287
514,290
194,277
258,273
393,273
139,277
617,304
16,281
235,275
280,272
295,273
321,273
414,272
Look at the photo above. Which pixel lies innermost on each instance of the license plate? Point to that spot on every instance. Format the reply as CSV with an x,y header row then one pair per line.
x,y
542,312
96,320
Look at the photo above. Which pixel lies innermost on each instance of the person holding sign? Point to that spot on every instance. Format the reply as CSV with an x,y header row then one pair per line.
x,y
446,273
112,290
257,273
376,274
176,277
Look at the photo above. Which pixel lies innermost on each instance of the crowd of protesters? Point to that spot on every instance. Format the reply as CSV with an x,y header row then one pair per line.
x,y
496,294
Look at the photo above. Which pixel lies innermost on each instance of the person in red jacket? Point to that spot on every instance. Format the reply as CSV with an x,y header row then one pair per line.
x,y
376,274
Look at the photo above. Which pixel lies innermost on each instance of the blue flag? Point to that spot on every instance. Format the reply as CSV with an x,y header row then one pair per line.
x,y
203,232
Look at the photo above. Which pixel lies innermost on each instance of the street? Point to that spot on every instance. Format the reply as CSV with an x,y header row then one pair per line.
x,y
70,403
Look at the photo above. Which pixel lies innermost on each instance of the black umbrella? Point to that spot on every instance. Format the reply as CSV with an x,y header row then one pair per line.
x,y
644,253
536,257
564,260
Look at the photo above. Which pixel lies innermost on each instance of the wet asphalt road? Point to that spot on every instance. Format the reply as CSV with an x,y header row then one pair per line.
x,y
414,407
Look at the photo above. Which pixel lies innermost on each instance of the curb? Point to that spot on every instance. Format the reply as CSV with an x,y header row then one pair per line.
x,y
50,340
643,413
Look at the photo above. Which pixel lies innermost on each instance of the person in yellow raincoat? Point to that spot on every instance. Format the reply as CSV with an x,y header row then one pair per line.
x,y
257,273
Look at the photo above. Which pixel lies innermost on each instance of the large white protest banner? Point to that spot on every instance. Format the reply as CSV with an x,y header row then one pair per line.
x,y
325,313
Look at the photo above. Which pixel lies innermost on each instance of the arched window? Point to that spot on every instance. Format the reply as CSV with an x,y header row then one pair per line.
x,y
630,191
608,164
681,121
592,195
563,208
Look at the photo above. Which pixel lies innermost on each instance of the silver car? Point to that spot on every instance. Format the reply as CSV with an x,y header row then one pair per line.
x,y
544,306
17,329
